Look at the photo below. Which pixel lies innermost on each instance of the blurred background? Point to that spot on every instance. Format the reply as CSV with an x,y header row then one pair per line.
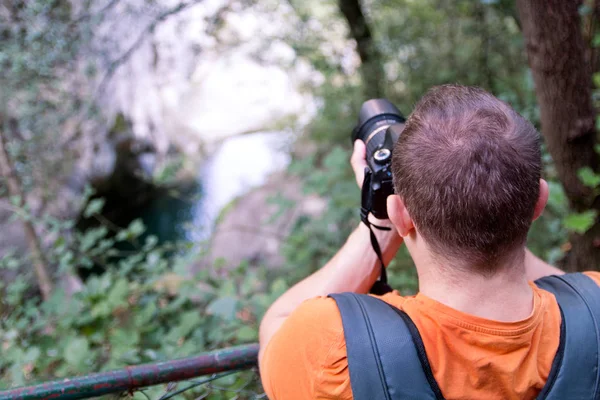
x,y
170,167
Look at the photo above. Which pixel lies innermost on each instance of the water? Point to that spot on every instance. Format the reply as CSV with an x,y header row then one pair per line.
x,y
238,165
169,216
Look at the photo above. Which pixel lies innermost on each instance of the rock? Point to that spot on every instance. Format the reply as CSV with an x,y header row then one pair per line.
x,y
255,227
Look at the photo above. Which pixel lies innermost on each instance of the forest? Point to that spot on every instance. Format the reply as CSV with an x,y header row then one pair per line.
x,y
168,168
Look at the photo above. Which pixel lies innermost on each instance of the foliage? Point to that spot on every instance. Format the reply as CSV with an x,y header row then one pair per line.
x,y
147,304
44,88
466,35
430,42
145,307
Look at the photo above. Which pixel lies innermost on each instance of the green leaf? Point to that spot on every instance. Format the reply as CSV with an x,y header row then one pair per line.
x,y
122,340
94,207
60,243
580,223
119,292
224,307
279,286
227,289
31,355
150,243
77,351
557,198
596,79
589,177
189,321
9,262
136,227
596,40
134,230
88,191
15,200
101,309
91,237
584,10
247,334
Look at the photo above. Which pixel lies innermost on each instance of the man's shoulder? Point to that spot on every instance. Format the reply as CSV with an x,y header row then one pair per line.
x,y
308,343
594,275
314,325
323,311
319,313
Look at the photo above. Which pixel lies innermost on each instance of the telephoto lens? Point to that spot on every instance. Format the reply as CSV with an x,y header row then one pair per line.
x,y
379,126
375,116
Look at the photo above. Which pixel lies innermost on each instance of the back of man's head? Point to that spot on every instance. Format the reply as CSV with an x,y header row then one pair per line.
x,y
467,167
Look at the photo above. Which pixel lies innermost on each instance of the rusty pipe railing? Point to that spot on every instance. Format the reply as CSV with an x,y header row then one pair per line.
x,y
138,376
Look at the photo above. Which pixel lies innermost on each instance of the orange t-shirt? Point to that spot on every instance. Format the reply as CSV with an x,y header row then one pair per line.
x,y
471,357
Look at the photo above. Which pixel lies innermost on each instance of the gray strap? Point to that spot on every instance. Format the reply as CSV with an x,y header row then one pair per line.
x,y
579,299
382,357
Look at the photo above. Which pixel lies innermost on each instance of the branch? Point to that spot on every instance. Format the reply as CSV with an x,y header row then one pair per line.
x,y
371,60
119,61
89,15
15,190
115,64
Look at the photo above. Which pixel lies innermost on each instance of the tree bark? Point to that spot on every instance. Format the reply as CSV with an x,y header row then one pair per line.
x,y
557,56
479,13
371,61
14,190
590,27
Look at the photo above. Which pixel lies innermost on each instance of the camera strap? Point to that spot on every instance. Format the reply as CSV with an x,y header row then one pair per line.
x,y
381,286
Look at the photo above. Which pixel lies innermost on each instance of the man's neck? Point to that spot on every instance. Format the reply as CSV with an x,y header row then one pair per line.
x,y
504,296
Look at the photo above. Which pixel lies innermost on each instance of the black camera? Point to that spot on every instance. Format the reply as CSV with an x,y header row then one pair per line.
x,y
379,126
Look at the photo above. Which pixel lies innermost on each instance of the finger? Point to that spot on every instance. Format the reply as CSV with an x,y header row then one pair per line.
x,y
359,161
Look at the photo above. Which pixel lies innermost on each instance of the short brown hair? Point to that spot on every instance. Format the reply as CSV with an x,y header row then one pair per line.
x,y
467,167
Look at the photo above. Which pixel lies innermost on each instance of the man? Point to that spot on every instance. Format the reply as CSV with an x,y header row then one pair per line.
x,y
467,180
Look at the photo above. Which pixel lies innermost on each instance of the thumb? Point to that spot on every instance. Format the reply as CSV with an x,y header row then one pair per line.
x,y
359,161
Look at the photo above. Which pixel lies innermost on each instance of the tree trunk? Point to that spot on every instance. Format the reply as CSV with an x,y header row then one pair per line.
x,y
371,60
590,27
14,190
480,15
563,84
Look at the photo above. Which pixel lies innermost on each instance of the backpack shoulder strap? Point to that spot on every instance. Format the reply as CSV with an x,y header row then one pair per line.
x,y
384,361
575,371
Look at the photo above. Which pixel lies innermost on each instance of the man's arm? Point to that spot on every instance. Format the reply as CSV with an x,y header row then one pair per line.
x,y
354,268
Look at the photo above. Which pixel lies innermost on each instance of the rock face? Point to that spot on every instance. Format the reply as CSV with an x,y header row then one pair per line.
x,y
218,69
254,228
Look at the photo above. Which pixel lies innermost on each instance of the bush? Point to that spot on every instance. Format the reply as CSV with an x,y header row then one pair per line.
x,y
145,307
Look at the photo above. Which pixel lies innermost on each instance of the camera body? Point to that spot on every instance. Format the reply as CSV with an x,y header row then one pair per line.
x,y
379,127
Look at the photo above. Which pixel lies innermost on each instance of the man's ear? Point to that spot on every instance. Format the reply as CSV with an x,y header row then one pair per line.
x,y
542,199
399,215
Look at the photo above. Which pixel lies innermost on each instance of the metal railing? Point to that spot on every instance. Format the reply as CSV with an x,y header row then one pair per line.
x,y
217,364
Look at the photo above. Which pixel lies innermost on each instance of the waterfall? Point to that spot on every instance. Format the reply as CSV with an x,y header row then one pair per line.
x,y
235,95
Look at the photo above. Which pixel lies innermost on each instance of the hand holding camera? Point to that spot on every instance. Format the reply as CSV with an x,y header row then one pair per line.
x,y
379,126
